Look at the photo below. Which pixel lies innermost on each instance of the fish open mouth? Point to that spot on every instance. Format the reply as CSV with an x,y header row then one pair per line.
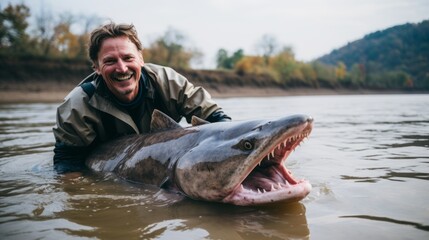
x,y
269,180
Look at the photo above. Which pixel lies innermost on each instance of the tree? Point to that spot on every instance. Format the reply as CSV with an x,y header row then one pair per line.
x,y
87,22
340,71
357,75
13,25
170,50
284,65
267,46
65,42
250,64
325,74
224,61
44,32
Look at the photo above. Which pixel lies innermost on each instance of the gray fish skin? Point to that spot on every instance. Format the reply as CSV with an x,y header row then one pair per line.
x,y
238,162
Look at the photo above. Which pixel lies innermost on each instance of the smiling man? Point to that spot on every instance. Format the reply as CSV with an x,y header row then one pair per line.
x,y
120,96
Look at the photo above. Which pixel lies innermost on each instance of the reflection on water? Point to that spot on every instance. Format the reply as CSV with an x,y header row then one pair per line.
x,y
390,175
367,159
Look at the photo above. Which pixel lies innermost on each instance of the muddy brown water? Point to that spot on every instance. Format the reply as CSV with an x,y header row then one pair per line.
x,y
367,159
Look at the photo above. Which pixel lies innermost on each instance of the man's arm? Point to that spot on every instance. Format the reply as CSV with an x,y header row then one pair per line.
x,y
74,133
69,158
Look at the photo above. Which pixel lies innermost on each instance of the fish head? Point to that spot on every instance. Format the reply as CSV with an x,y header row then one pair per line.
x,y
243,162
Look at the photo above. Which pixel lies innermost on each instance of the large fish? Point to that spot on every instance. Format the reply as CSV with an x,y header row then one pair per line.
x,y
238,162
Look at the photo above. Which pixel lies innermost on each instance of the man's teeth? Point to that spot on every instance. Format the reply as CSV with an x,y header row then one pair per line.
x,y
123,78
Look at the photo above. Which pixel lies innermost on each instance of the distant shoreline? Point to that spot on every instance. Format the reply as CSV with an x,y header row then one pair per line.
x,y
46,80
52,95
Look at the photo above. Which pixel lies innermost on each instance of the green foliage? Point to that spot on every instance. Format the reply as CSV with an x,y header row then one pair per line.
x,y
385,59
224,61
396,58
49,38
13,25
52,38
286,70
325,74
391,79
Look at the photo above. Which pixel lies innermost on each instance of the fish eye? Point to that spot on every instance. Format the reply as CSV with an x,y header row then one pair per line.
x,y
248,145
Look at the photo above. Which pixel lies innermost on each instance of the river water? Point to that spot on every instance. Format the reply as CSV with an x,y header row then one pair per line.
x,y
367,159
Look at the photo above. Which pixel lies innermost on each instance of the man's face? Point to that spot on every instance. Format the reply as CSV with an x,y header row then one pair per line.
x,y
120,62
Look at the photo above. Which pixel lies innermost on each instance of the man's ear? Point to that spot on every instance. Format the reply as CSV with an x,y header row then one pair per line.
x,y
141,58
96,68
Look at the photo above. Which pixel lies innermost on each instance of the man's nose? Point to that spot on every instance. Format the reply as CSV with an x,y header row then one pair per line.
x,y
121,66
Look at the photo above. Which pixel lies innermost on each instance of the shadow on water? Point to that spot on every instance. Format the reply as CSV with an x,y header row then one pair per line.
x,y
390,220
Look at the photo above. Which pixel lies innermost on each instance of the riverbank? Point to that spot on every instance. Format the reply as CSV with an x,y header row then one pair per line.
x,y
44,80
52,94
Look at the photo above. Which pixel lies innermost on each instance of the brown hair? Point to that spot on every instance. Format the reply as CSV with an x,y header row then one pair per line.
x,y
111,30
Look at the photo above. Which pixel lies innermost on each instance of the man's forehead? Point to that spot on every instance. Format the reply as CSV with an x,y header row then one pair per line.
x,y
123,45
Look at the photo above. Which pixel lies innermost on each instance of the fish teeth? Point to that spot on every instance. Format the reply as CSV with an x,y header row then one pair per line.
x,y
273,188
270,155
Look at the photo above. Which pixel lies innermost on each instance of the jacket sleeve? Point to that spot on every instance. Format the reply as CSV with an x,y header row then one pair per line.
x,y
75,123
69,158
74,131
185,99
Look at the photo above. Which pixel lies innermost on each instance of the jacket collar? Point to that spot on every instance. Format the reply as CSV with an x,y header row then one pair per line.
x,y
102,101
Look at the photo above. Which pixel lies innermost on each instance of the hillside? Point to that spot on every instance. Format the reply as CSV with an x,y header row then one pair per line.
x,y
402,49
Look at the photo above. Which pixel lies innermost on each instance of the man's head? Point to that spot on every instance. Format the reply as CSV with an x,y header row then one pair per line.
x,y
116,54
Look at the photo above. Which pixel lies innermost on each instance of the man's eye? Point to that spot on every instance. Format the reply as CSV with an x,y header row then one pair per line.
x,y
128,59
109,62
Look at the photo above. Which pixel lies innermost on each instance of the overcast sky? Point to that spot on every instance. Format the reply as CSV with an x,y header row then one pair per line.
x,y
311,27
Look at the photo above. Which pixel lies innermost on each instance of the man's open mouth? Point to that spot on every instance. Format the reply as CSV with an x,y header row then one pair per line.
x,y
122,77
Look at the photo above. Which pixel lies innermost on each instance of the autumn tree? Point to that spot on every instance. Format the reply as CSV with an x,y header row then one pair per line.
x,y
170,50
54,36
13,26
65,42
341,71
284,65
267,46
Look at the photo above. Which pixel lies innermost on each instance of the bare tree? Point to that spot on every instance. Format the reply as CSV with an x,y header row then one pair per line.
x,y
267,46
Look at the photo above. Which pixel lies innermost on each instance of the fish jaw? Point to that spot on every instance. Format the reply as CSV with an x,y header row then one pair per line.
x,y
268,180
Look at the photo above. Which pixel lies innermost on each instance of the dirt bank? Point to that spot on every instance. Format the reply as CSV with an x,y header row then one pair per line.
x,y
43,80
46,95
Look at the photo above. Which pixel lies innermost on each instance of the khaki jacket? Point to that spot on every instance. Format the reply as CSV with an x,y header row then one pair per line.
x,y
83,119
